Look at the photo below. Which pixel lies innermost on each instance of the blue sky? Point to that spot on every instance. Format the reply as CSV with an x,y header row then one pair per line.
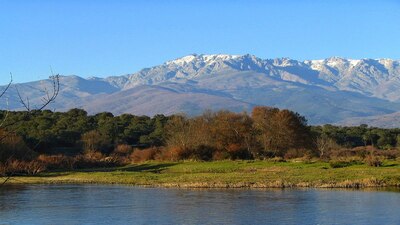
x,y
102,38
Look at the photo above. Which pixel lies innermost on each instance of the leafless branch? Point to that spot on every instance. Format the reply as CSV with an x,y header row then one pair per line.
x,y
49,97
5,180
8,86
25,103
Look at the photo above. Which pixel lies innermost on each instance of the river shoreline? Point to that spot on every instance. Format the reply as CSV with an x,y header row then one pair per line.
x,y
228,174
196,185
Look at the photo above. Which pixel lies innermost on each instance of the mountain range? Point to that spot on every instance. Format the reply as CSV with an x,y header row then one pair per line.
x,y
333,90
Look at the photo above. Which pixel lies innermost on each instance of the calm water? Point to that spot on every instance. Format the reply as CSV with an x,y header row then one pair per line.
x,y
100,204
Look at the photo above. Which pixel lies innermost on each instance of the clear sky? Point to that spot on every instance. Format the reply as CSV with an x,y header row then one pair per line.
x,y
102,38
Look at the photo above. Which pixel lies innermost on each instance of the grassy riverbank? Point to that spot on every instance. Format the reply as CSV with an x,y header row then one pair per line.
x,y
229,174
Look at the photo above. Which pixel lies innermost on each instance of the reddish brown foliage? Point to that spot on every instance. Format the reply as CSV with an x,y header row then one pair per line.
x,y
142,155
16,167
373,160
123,150
57,161
219,155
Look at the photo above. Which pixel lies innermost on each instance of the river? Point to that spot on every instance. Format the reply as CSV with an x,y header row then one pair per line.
x,y
115,204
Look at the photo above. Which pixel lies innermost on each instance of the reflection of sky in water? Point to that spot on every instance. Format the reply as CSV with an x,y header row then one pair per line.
x,y
98,204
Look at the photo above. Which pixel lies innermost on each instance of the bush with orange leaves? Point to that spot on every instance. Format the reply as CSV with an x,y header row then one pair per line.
x,y
121,154
57,162
123,150
17,167
200,137
373,160
142,155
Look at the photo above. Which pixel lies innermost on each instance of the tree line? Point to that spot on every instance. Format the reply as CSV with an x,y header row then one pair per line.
x,y
264,133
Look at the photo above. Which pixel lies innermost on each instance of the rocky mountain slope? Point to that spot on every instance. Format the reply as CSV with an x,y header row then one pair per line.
x,y
325,91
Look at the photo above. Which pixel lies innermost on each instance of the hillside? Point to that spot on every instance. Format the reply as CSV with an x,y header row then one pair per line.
x,y
325,91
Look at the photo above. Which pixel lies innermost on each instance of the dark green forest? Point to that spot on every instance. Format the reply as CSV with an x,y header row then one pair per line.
x,y
48,132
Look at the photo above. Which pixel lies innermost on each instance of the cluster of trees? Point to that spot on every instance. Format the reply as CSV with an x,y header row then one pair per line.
x,y
35,139
69,132
362,135
266,132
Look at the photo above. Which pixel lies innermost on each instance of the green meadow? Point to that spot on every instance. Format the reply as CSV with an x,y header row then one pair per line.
x,y
228,174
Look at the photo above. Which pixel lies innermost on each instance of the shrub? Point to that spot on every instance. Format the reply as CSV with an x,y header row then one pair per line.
x,y
345,162
176,154
34,167
57,161
298,153
93,155
139,155
237,151
172,154
163,155
360,152
123,150
341,153
84,162
363,151
219,155
374,161
121,154
388,154
202,152
114,160
16,167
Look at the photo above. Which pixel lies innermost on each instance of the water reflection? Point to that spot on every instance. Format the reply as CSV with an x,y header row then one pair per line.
x,y
99,204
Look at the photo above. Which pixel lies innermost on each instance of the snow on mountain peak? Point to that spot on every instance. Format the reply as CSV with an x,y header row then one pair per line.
x,y
223,57
202,58
182,60
358,75
354,62
386,62
333,62
285,62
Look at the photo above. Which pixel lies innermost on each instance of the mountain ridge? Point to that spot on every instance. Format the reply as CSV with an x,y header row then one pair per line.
x,y
325,91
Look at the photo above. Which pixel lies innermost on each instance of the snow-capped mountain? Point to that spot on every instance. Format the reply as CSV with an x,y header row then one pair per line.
x,y
325,91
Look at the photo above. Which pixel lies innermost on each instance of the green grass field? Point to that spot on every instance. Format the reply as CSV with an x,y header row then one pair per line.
x,y
229,174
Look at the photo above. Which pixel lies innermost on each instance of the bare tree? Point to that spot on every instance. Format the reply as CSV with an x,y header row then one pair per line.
x,y
325,144
49,96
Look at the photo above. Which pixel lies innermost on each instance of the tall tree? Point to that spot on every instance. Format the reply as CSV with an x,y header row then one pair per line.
x,y
281,130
